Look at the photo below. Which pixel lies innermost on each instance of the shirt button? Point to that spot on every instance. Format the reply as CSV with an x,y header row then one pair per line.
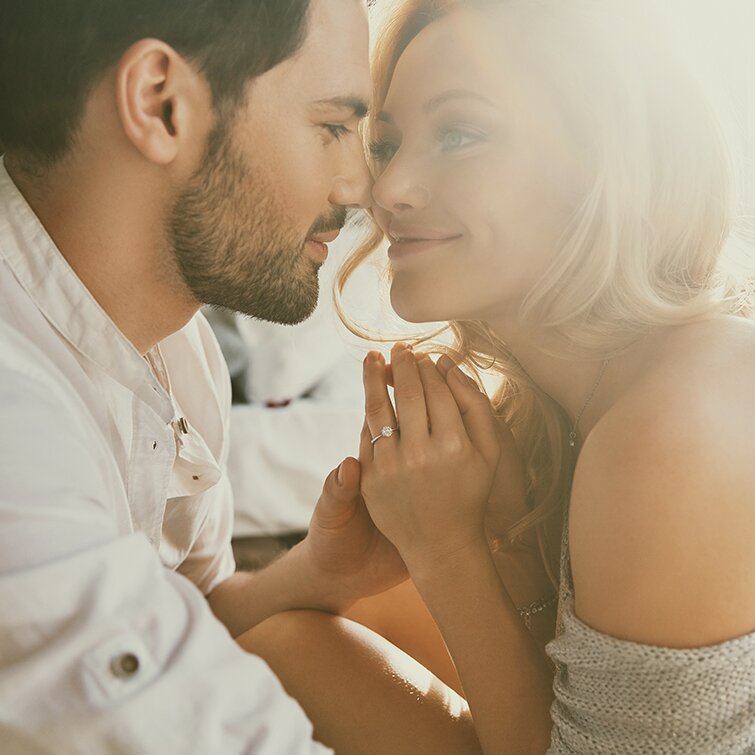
x,y
124,665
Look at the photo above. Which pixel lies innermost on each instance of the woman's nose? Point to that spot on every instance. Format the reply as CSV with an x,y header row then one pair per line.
x,y
401,187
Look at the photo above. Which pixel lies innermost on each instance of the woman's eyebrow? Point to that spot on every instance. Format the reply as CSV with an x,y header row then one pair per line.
x,y
454,94
440,99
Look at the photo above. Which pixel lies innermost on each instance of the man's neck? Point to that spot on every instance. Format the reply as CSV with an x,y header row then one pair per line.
x,y
111,233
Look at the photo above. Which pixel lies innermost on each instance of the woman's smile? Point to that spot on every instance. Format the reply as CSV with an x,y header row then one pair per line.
x,y
406,243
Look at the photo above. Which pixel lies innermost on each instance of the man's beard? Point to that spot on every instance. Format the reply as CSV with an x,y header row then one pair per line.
x,y
232,245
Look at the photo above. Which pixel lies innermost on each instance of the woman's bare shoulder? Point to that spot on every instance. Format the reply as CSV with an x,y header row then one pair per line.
x,y
662,514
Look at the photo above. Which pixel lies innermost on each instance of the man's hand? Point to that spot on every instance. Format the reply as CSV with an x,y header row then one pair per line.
x,y
344,556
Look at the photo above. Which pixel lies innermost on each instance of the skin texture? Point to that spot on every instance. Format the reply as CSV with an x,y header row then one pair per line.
x,y
401,616
363,694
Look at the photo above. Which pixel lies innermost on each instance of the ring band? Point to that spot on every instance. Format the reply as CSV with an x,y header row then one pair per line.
x,y
385,432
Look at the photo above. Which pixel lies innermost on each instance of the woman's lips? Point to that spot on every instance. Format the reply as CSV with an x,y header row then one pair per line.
x,y
405,249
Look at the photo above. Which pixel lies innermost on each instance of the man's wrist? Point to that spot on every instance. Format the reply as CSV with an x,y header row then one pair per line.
x,y
311,588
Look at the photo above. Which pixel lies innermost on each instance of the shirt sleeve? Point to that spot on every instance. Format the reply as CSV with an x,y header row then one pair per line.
x,y
103,649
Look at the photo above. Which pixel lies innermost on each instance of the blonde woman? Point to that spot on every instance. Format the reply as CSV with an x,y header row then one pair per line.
x,y
553,183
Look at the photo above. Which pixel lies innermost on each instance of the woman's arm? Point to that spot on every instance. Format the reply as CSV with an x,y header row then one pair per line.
x,y
426,489
504,673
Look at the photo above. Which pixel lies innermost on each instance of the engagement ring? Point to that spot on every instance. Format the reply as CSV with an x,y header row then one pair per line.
x,y
385,432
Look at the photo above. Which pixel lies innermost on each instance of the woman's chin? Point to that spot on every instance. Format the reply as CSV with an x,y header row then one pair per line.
x,y
412,309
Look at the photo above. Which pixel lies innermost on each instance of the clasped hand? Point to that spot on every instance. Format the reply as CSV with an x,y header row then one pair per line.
x,y
426,487
417,498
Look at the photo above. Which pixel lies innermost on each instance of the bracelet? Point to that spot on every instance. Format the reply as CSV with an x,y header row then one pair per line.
x,y
536,607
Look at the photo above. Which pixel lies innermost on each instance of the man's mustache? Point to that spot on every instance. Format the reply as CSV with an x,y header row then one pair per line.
x,y
332,222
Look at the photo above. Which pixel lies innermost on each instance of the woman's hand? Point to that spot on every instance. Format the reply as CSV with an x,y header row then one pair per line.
x,y
426,487
507,500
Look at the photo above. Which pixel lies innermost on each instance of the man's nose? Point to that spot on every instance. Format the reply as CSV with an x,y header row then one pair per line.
x,y
353,187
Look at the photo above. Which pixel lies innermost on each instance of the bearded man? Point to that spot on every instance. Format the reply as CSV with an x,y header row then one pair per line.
x,y
160,156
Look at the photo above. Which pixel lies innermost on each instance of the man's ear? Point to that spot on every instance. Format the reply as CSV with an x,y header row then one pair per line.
x,y
163,102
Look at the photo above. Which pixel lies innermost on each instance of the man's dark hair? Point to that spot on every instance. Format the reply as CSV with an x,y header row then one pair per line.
x,y
52,52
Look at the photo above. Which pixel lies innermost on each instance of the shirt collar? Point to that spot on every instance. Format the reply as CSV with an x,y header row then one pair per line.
x,y
67,304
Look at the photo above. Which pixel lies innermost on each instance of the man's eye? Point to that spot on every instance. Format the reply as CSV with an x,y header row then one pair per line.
x,y
382,150
337,130
457,138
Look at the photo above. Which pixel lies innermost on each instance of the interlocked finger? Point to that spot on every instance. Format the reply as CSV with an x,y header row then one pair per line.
x,y
380,417
442,410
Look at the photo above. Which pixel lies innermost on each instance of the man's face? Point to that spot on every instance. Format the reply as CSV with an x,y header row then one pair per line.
x,y
248,229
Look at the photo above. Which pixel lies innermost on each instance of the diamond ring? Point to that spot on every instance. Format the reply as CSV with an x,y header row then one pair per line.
x,y
385,432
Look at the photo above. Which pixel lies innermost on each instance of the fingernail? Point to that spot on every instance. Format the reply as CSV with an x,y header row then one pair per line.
x,y
339,475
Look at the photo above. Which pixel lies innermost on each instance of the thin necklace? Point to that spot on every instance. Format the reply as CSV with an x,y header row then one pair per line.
x,y
573,432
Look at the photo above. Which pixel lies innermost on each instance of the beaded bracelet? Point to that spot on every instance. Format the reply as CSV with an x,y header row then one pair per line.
x,y
536,607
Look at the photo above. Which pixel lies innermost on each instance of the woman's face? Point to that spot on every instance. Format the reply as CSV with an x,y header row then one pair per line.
x,y
476,179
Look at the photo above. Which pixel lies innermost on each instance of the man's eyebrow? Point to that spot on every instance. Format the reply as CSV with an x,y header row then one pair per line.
x,y
453,94
357,105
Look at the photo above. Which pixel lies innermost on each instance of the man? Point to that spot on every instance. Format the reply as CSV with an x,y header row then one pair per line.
x,y
160,156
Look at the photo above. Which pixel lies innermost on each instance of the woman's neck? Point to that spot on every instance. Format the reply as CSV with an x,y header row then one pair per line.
x,y
581,386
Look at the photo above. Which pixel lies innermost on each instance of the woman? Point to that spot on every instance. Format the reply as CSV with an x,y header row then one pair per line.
x,y
554,184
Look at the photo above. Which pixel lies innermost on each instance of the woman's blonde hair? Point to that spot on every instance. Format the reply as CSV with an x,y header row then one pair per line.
x,y
643,249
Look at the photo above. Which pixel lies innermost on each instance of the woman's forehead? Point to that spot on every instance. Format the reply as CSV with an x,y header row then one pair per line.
x,y
460,51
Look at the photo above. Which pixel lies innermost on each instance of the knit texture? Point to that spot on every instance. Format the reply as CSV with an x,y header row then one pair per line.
x,y
615,697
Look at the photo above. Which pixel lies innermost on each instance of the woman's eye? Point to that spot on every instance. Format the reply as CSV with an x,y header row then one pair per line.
x,y
337,130
383,150
457,138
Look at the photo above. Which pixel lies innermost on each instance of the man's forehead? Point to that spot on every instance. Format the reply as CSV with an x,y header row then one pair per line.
x,y
330,70
333,60
337,31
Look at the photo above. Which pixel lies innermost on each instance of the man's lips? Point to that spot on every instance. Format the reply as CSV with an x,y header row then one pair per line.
x,y
325,238
316,245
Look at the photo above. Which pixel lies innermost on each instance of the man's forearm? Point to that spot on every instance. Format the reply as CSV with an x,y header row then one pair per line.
x,y
248,598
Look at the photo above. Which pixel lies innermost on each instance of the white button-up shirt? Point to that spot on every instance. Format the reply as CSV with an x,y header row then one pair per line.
x,y
115,521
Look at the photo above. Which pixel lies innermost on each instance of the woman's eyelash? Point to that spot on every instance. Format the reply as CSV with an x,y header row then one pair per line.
x,y
337,130
457,138
382,150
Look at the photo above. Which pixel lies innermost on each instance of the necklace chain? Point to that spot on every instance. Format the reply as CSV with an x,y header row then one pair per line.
x,y
573,431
